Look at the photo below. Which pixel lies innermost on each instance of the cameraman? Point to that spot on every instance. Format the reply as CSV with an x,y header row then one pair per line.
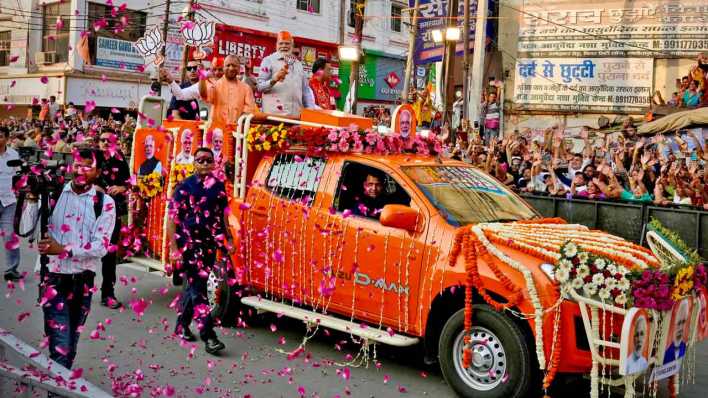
x,y
8,203
113,179
80,229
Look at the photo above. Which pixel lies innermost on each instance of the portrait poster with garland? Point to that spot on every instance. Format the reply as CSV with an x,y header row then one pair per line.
x,y
700,317
675,339
638,330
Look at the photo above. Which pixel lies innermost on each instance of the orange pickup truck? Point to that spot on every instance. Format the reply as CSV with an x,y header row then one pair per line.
x,y
410,249
307,252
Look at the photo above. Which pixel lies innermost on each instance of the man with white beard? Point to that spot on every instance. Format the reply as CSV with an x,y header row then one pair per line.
x,y
283,82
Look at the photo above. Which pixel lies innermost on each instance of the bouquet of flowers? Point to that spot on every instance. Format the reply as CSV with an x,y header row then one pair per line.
x,y
592,276
150,185
265,138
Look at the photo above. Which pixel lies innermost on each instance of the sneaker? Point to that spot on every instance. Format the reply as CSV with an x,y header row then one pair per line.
x,y
186,335
111,302
213,345
12,275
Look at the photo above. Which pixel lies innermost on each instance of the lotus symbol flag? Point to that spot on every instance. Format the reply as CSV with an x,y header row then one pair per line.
x,y
200,34
150,44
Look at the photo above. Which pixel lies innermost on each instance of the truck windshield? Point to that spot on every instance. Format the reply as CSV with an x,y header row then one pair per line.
x,y
464,195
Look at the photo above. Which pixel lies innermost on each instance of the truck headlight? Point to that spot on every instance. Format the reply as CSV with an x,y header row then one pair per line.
x,y
550,270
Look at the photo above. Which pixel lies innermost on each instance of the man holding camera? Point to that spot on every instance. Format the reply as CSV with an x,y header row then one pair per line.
x,y
80,229
113,179
7,207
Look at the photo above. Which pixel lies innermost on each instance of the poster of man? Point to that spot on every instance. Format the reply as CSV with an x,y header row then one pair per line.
x,y
677,338
150,151
215,141
404,121
635,342
186,145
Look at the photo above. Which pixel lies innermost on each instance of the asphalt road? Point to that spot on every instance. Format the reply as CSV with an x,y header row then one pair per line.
x,y
138,354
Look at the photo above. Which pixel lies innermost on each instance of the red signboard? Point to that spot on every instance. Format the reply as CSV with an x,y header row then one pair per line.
x,y
256,45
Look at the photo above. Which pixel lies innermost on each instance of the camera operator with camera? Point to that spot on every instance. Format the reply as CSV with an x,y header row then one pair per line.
x,y
77,237
8,202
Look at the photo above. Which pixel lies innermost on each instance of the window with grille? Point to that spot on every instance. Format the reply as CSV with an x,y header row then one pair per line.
x,y
5,48
295,177
55,29
309,6
396,17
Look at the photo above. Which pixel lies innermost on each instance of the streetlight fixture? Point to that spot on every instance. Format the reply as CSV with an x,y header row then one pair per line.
x,y
349,53
451,33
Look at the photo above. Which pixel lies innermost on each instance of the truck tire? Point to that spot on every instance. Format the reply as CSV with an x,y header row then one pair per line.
x,y
501,357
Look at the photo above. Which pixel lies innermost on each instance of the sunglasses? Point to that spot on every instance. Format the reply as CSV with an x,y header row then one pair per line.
x,y
204,160
192,68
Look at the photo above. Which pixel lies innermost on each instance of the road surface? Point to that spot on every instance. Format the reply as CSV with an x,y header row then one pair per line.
x,y
138,354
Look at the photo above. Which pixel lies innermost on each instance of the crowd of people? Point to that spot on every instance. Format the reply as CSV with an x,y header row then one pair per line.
x,y
663,170
690,88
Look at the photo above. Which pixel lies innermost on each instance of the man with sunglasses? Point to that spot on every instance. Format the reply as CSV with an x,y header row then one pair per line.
x,y
113,180
197,228
180,106
191,92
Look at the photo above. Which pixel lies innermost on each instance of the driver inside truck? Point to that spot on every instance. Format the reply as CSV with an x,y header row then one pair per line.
x,y
372,193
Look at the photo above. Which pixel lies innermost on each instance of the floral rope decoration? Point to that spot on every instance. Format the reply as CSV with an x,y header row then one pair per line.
x,y
467,244
150,185
266,138
592,276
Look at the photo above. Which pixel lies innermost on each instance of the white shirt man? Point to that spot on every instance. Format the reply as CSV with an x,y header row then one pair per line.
x,y
282,80
7,205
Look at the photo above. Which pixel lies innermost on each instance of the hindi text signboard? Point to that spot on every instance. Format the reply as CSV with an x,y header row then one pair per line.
x,y
577,84
641,28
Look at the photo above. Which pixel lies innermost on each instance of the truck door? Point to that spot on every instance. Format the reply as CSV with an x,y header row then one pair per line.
x,y
373,270
277,224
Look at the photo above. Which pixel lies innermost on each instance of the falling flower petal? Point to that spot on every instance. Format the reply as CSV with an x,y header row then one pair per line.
x,y
44,79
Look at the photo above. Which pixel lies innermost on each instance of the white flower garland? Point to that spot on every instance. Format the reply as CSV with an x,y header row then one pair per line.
x,y
530,286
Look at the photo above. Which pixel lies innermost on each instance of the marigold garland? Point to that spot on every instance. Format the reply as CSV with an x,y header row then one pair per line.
x,y
466,243
180,172
265,138
150,185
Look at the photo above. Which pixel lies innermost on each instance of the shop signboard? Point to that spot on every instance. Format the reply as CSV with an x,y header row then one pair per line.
x,y
113,94
432,17
27,90
613,28
380,77
579,84
117,54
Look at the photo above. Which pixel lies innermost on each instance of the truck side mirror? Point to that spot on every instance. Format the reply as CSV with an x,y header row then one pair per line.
x,y
399,216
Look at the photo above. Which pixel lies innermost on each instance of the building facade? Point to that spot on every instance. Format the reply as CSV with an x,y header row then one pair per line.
x,y
597,61
43,51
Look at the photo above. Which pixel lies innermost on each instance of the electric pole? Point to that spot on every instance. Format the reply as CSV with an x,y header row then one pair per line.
x,y
448,91
358,29
185,51
411,50
466,59
165,26
477,76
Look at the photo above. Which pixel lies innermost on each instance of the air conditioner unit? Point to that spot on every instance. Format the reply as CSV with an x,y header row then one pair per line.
x,y
45,58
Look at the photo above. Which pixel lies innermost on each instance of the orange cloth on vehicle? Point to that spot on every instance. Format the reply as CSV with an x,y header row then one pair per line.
x,y
229,99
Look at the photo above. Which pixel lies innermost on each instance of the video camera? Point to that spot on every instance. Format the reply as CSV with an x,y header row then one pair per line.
x,y
40,175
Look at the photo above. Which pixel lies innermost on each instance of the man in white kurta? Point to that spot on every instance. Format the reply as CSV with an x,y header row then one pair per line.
x,y
283,82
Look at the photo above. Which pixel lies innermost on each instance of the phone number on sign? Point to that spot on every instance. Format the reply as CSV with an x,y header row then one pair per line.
x,y
682,44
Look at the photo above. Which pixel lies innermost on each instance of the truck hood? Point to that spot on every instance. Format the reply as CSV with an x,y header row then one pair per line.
x,y
544,238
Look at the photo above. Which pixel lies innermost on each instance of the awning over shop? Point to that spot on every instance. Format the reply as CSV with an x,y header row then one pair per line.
x,y
676,121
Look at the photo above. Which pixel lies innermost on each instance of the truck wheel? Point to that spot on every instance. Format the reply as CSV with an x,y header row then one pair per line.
x,y
501,362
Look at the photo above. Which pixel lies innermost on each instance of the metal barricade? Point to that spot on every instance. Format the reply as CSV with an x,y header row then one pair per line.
x,y
627,219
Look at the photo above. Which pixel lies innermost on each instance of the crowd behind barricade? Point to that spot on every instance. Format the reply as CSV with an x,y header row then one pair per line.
x,y
690,88
663,170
